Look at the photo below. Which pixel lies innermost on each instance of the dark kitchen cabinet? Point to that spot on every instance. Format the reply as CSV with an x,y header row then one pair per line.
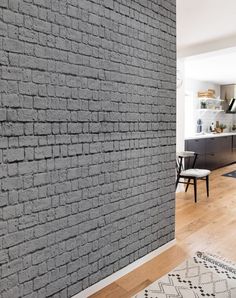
x,y
213,152
227,149
213,145
198,146
218,152
234,148
214,161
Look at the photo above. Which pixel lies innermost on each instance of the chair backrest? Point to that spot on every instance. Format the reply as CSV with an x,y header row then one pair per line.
x,y
184,158
185,154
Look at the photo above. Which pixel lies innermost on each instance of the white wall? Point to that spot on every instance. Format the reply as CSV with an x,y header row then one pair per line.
x,y
180,113
180,108
195,86
191,88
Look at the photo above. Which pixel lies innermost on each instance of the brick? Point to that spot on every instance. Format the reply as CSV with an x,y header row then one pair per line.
x,y
74,289
27,115
3,29
28,221
63,259
28,274
12,169
11,183
40,77
3,199
12,129
28,141
41,281
41,103
11,73
28,88
3,115
28,35
3,58
4,3
12,212
3,231
43,3
13,239
12,267
43,152
41,179
28,287
3,170
42,128
57,285
13,45
14,155
11,100
3,258
13,5
28,9
74,128
42,26
31,246
32,62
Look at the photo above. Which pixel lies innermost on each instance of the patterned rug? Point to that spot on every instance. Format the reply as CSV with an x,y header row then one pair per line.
x,y
204,275
230,174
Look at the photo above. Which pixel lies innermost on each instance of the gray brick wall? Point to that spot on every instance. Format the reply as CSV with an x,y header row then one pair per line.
x,y
87,122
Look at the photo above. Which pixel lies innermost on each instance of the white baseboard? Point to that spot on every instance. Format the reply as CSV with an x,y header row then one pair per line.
x,y
110,279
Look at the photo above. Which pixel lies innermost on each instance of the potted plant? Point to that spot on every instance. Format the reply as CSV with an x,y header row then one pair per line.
x,y
222,127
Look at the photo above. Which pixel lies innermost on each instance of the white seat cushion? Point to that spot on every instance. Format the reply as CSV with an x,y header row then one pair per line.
x,y
198,173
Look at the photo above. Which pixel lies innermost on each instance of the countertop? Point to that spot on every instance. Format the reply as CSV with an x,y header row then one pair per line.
x,y
210,135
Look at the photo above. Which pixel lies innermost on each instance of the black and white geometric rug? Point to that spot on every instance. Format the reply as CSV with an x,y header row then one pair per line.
x,y
204,275
230,174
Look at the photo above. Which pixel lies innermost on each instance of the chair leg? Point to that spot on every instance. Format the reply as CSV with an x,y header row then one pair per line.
x,y
207,185
195,190
186,188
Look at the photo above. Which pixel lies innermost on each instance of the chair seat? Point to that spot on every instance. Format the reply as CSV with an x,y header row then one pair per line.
x,y
197,173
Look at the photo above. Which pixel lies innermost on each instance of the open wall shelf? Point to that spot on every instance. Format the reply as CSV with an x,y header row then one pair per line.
x,y
210,99
210,110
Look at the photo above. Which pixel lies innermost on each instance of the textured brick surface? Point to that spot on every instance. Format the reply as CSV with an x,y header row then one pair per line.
x,y
87,122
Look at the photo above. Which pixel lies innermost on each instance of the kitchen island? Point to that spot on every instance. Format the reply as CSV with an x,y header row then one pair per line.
x,y
215,149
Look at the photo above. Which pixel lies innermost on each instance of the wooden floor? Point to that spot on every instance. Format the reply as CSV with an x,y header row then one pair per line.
x,y
209,225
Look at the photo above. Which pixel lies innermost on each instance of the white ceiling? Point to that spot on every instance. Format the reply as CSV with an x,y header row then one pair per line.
x,y
205,26
218,67
200,21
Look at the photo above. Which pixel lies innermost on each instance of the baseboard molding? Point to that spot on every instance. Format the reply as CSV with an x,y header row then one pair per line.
x,y
110,279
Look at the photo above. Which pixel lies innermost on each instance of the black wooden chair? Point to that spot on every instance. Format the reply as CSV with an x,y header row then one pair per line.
x,y
184,172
